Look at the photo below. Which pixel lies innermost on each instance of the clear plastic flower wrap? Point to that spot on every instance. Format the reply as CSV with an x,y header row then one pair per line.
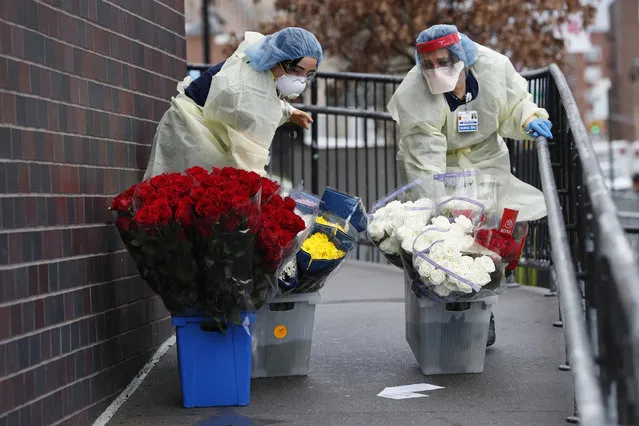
x,y
506,239
471,193
209,241
447,265
330,240
307,207
402,214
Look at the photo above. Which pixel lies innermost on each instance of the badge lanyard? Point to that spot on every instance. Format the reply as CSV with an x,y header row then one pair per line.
x,y
467,120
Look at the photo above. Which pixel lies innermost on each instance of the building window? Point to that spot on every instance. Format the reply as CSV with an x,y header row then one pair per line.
x,y
593,55
592,74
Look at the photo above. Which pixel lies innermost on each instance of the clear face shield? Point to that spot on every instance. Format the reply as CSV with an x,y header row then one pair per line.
x,y
438,65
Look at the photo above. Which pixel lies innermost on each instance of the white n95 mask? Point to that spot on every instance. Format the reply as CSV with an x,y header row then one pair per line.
x,y
443,80
290,86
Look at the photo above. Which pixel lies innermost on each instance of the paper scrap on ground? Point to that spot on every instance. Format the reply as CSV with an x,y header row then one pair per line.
x,y
408,391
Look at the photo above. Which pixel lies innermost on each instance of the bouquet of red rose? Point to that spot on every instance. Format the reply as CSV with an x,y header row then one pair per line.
x,y
507,241
209,242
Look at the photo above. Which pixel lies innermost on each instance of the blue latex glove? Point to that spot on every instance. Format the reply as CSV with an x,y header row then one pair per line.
x,y
539,127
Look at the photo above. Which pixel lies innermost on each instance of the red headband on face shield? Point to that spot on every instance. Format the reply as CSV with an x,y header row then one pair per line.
x,y
438,43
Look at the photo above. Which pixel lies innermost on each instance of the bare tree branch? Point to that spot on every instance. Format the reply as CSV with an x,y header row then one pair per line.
x,y
522,29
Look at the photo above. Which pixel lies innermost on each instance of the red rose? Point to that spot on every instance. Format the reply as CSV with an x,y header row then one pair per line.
x,y
483,237
165,213
163,180
147,216
123,223
289,204
221,199
230,172
241,205
463,212
209,209
145,192
182,184
290,221
269,188
157,213
184,213
168,194
210,180
284,237
198,193
123,201
195,171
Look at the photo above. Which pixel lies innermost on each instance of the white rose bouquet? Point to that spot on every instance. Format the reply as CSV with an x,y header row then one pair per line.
x,y
448,265
393,222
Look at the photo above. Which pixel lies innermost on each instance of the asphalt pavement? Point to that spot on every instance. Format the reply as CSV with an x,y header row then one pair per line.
x,y
359,348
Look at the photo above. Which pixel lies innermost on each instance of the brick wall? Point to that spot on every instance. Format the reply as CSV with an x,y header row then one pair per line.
x,y
82,86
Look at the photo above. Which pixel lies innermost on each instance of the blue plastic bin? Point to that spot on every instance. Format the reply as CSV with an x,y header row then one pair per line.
x,y
215,369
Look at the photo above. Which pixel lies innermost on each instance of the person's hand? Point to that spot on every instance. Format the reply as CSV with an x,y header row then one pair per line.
x,y
300,118
539,127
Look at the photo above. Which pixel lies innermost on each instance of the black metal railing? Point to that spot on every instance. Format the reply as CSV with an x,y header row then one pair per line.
x,y
352,147
604,264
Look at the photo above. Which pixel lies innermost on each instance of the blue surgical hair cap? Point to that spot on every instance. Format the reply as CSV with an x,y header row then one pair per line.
x,y
285,45
466,50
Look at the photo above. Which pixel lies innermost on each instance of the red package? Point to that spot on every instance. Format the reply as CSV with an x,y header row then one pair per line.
x,y
508,220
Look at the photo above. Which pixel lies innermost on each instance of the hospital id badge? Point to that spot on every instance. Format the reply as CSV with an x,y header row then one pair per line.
x,y
467,121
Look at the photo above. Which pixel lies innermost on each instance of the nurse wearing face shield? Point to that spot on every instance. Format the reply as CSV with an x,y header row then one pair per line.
x,y
228,116
454,109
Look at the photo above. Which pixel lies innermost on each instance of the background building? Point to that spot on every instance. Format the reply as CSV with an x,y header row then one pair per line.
x,y
624,95
227,19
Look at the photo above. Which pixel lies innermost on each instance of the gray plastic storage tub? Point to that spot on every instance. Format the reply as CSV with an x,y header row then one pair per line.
x,y
447,341
282,336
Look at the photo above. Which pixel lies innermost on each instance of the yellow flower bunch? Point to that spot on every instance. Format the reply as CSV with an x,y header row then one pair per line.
x,y
321,248
325,222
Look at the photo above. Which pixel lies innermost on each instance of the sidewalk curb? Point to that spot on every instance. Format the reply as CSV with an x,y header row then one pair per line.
x,y
133,385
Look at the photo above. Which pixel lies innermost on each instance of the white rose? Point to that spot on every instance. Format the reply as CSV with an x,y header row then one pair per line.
x,y
485,263
451,250
425,269
376,230
450,285
464,288
403,233
393,206
437,276
483,278
397,221
467,262
408,242
438,250
421,244
466,242
457,230
424,203
465,223
445,263
389,245
441,291
478,277
455,267
441,222
415,223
